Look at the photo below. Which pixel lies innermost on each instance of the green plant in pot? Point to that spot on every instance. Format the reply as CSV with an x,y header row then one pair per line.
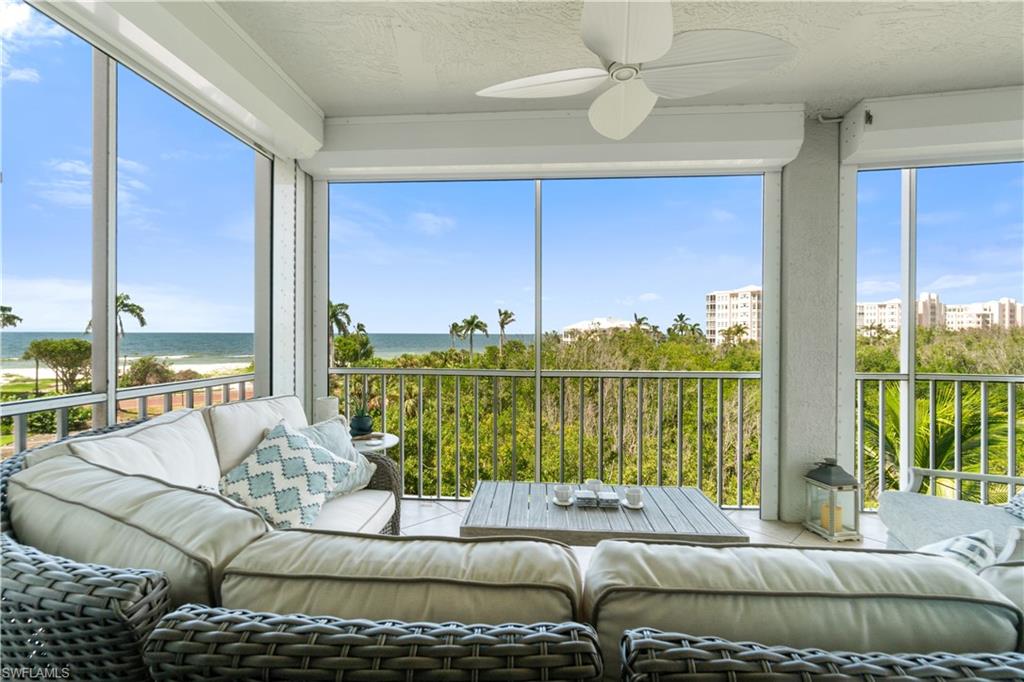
x,y
362,422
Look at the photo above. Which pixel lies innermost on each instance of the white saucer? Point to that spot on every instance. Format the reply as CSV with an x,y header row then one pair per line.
x,y
563,504
627,505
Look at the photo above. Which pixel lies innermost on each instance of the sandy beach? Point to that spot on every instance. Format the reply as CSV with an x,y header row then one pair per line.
x,y
12,374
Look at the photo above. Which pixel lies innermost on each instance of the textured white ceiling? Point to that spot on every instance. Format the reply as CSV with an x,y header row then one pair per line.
x,y
375,58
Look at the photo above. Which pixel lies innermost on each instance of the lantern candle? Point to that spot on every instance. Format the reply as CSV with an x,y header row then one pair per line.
x,y
825,518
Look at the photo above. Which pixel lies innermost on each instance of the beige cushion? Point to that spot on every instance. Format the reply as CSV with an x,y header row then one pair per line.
x,y
177,449
364,511
1008,578
237,428
490,580
848,600
80,510
43,453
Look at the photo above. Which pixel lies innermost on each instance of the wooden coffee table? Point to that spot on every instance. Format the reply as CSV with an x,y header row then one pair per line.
x,y
669,513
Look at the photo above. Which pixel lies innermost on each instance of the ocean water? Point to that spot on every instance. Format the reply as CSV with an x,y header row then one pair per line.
x,y
214,348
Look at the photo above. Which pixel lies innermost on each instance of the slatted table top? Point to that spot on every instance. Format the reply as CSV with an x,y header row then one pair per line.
x,y
669,513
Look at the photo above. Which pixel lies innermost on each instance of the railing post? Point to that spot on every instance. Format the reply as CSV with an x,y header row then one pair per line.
x,y
20,432
1011,436
739,443
62,422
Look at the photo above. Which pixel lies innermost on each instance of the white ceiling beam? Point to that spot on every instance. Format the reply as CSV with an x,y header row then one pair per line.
x,y
195,51
541,144
969,126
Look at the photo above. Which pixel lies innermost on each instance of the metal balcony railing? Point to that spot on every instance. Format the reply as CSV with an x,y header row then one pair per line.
x,y
132,403
967,440
459,426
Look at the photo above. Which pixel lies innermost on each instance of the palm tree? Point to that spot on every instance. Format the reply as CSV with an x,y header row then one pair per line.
x,y
124,306
455,331
8,318
680,325
945,436
731,335
361,329
505,318
640,322
472,325
338,321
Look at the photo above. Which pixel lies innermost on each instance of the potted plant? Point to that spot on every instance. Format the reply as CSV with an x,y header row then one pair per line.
x,y
362,422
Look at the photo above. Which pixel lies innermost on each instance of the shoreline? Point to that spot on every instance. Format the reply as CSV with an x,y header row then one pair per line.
x,y
10,375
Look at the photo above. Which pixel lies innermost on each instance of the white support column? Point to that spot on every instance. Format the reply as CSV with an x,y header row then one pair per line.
x,y
808,316
304,290
908,323
263,341
283,277
846,321
104,236
320,293
770,341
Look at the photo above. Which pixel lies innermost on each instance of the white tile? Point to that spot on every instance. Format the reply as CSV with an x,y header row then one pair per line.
x,y
418,511
447,525
457,506
780,531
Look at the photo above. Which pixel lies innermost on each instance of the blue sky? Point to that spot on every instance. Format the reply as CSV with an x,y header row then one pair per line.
x,y
185,194
413,257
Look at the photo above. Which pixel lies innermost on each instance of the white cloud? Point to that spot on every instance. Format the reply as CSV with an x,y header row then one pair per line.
x,y
871,287
49,303
720,215
72,166
18,21
124,164
25,75
939,217
946,282
431,223
648,296
64,191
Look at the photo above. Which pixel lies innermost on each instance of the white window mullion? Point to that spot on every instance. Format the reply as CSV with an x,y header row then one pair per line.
x,y
104,232
908,323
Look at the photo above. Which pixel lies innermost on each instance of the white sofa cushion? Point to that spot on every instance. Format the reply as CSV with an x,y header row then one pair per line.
x,y
237,428
45,452
833,599
486,580
176,448
90,513
364,511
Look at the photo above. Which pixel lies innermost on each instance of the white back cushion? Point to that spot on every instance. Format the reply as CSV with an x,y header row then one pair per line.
x,y
237,428
176,449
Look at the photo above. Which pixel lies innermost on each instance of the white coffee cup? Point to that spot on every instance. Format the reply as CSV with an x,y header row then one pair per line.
x,y
634,496
563,493
593,484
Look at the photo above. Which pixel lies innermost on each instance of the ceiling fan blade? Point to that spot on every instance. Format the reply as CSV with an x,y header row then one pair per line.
x,y
627,32
700,62
618,112
554,84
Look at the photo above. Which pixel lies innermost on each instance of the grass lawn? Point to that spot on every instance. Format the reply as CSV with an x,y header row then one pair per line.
x,y
28,386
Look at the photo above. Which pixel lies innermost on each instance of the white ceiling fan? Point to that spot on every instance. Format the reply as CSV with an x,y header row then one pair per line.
x,y
644,61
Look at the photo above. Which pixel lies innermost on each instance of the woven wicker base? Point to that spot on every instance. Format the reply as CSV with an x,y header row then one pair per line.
x,y
203,643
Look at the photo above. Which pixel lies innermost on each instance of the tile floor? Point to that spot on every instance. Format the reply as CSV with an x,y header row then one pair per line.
x,y
428,517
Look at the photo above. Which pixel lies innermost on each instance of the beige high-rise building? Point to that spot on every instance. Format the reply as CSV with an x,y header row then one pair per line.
x,y
733,307
884,314
930,311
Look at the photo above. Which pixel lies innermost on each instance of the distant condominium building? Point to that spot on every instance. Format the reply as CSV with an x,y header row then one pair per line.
x,y
733,308
883,314
932,312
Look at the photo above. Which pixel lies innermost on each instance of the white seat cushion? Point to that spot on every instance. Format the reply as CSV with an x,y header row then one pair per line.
x,y
364,511
176,449
237,428
483,580
832,599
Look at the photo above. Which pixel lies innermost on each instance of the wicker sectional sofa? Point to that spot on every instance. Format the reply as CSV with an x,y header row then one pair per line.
x,y
216,593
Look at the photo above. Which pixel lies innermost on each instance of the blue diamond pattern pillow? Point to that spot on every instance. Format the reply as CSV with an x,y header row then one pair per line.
x,y
286,479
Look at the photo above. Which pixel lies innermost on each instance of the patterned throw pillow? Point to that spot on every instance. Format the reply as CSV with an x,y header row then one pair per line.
x,y
333,435
975,550
1016,505
286,479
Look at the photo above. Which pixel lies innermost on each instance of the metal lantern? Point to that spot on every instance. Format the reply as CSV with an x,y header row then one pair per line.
x,y
832,502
